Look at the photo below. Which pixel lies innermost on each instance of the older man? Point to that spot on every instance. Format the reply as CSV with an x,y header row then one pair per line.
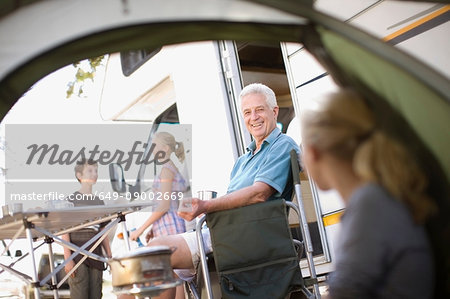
x,y
259,175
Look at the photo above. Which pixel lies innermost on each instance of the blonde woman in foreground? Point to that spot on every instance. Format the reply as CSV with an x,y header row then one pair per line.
x,y
383,250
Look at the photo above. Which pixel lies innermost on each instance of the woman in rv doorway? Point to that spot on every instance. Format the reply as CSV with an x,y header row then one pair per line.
x,y
168,187
383,250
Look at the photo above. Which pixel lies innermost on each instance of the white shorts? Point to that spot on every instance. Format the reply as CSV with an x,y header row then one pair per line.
x,y
191,240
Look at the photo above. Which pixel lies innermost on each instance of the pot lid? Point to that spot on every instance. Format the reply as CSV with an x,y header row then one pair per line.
x,y
144,251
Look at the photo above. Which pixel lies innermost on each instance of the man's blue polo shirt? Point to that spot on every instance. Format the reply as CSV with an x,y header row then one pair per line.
x,y
270,165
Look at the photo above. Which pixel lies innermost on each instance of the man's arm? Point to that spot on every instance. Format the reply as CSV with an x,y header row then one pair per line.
x,y
67,253
258,192
107,247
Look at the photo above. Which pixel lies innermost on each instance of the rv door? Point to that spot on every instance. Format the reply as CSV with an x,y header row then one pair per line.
x,y
233,84
307,79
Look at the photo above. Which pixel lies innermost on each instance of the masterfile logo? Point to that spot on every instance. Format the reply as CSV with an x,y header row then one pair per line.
x,y
53,154
40,159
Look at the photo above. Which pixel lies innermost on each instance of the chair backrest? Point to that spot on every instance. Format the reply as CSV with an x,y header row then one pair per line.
x,y
254,252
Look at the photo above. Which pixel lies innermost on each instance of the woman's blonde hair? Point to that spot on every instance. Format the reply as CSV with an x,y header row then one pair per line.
x,y
343,125
175,146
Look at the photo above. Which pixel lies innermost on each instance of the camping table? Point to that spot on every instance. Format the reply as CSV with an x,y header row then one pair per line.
x,y
48,224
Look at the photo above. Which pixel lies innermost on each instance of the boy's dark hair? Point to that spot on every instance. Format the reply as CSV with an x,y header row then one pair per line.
x,y
79,167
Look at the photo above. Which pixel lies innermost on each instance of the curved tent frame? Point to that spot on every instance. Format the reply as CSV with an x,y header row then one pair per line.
x,y
28,54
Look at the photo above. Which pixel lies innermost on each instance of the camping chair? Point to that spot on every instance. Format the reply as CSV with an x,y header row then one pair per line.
x,y
254,253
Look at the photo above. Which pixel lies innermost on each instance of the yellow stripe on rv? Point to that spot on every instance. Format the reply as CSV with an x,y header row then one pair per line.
x,y
417,23
332,218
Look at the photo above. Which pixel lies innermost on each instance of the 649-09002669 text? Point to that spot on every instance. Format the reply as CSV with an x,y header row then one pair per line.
x,y
102,195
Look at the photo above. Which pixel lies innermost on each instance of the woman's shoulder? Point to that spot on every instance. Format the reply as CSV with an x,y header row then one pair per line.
x,y
372,203
371,195
375,204
170,166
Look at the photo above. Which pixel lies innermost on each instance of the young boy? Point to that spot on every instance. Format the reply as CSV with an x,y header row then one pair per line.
x,y
86,281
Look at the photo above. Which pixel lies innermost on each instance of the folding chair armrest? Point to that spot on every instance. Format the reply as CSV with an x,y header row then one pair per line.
x,y
203,261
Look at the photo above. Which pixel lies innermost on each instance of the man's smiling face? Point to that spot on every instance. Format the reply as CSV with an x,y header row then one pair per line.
x,y
259,118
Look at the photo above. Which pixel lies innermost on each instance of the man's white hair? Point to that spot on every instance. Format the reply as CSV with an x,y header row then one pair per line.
x,y
259,88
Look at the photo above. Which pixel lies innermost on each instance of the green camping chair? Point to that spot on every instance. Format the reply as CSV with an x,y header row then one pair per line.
x,y
254,253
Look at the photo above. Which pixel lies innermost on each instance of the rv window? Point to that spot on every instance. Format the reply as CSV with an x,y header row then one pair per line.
x,y
170,116
133,59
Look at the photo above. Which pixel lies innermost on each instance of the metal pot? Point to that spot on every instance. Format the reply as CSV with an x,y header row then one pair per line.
x,y
149,265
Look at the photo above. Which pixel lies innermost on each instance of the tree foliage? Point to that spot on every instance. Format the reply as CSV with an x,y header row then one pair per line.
x,y
85,71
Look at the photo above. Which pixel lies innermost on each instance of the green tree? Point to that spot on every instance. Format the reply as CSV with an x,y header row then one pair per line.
x,y
85,70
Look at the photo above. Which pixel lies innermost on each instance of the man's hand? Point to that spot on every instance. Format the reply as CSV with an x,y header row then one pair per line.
x,y
69,266
258,192
198,207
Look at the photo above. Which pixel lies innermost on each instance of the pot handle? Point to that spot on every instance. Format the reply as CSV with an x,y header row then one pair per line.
x,y
115,260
